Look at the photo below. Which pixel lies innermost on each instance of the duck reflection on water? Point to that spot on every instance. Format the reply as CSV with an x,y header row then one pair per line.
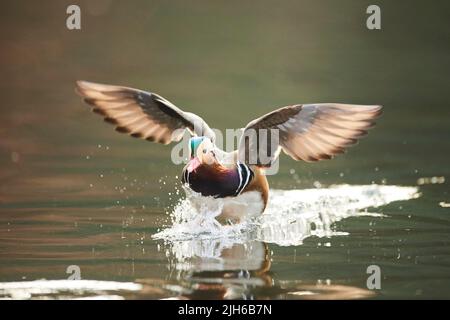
x,y
224,271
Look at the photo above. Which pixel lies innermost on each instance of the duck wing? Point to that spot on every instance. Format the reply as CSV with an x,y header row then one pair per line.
x,y
142,114
308,132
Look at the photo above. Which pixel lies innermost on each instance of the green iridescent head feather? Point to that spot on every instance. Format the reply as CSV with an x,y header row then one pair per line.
x,y
194,143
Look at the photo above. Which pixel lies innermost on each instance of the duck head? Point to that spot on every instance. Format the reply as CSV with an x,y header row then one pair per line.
x,y
201,151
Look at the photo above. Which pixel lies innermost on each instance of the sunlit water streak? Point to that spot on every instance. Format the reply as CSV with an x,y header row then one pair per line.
x,y
291,217
45,289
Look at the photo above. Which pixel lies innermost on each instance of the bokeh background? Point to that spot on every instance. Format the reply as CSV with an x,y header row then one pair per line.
x,y
228,61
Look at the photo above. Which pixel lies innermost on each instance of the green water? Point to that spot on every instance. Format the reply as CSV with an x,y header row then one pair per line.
x,y
74,192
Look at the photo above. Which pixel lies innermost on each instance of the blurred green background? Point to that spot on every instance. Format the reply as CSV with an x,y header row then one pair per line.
x,y
228,61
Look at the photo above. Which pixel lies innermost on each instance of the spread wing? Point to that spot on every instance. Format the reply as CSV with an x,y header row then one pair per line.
x,y
309,132
142,114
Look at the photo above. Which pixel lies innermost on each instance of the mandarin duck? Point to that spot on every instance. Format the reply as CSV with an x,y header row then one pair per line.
x,y
307,132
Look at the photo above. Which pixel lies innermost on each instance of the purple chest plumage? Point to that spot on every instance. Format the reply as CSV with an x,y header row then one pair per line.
x,y
218,181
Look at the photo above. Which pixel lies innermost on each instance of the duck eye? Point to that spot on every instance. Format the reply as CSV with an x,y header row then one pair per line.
x,y
204,150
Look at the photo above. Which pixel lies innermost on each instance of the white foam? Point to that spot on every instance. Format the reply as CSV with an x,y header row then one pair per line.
x,y
291,217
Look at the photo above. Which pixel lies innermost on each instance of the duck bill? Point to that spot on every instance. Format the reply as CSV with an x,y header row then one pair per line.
x,y
193,164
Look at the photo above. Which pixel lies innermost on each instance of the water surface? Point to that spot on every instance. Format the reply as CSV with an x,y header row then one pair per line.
x,y
74,192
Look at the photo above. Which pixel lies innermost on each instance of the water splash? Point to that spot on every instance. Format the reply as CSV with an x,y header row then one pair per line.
x,y
297,214
291,217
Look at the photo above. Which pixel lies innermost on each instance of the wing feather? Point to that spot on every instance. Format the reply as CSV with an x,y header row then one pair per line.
x,y
141,114
310,132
